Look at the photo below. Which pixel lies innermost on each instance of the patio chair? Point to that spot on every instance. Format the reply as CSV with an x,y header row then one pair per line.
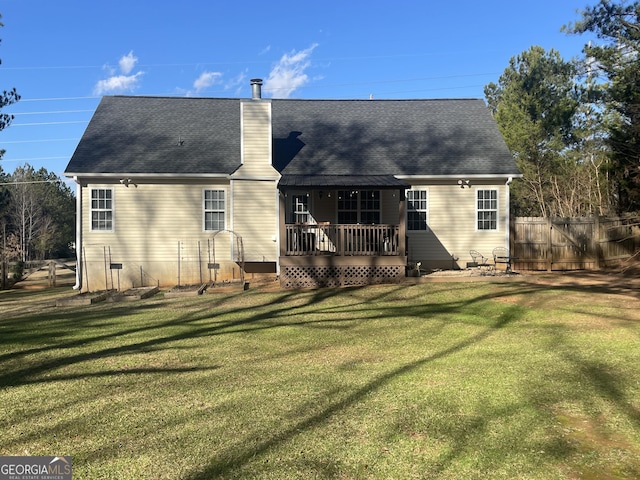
x,y
501,256
478,260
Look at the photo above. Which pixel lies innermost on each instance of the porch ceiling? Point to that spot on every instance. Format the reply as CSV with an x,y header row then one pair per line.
x,y
342,181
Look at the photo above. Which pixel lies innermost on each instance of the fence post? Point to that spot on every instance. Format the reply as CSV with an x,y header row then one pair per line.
x,y
52,274
549,244
596,240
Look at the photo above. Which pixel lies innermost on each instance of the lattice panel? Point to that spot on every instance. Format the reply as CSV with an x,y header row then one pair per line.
x,y
314,276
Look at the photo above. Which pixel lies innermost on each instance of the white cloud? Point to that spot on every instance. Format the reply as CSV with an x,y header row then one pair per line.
x,y
117,84
205,80
238,83
127,62
289,73
124,82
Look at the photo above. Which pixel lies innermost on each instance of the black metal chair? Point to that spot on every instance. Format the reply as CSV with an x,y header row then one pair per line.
x,y
501,256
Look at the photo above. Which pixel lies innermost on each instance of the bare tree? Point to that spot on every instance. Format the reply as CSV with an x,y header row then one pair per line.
x,y
26,214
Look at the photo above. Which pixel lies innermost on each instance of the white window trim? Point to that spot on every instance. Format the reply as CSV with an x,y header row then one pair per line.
x,y
425,189
476,210
224,212
91,210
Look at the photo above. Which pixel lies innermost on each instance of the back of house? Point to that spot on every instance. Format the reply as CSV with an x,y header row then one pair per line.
x,y
181,191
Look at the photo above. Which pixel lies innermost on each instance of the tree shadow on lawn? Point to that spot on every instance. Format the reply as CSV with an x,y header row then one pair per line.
x,y
203,318
277,313
227,464
20,330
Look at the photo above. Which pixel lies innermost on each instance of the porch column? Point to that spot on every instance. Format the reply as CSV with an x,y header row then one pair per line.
x,y
402,227
282,228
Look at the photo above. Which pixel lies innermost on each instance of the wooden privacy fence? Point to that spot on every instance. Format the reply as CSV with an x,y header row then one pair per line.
x,y
582,243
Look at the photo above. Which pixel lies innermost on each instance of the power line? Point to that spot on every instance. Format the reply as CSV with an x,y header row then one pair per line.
x,y
53,99
29,182
46,123
31,159
251,62
40,141
53,112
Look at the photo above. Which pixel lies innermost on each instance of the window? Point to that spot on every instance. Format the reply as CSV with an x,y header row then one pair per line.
x,y
300,208
370,206
347,207
102,209
214,211
487,209
417,204
358,207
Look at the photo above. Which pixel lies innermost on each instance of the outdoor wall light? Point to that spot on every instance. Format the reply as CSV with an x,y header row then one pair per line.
x,y
127,181
463,183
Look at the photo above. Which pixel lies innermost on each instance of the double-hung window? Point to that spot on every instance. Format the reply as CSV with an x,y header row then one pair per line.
x,y
417,210
102,209
370,206
359,206
487,209
214,210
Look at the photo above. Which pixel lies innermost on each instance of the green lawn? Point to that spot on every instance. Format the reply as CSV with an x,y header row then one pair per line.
x,y
439,380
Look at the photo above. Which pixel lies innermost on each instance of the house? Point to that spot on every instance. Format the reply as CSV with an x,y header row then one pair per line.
x,y
179,191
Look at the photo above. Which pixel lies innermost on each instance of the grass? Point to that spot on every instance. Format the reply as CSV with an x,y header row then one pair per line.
x,y
441,380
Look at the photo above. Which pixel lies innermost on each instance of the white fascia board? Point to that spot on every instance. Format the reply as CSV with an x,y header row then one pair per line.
x,y
150,176
459,175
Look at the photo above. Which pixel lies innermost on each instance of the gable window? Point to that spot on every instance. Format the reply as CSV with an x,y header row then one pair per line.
x,y
417,210
487,209
214,210
358,206
102,209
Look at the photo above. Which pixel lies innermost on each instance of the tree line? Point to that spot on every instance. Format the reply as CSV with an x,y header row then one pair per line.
x,y
37,215
573,126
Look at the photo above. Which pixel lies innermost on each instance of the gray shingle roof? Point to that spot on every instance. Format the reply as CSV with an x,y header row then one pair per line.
x,y
310,137
396,137
160,135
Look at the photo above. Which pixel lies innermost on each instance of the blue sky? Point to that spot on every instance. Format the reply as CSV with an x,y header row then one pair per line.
x,y
63,55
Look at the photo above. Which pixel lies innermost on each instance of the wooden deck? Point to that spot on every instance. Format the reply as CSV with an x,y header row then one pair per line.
x,y
341,240
326,255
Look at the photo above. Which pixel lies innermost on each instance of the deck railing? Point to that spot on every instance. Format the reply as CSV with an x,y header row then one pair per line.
x,y
330,239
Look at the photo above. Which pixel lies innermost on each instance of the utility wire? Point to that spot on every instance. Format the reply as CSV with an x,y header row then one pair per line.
x,y
46,123
41,141
53,112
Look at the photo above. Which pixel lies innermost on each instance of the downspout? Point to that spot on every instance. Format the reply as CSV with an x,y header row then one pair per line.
x,y
507,208
78,285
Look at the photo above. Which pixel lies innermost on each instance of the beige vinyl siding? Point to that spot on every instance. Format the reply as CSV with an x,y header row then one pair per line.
x,y
156,228
256,140
452,227
255,218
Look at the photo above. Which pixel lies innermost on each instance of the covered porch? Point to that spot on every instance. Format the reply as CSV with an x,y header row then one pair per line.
x,y
342,230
